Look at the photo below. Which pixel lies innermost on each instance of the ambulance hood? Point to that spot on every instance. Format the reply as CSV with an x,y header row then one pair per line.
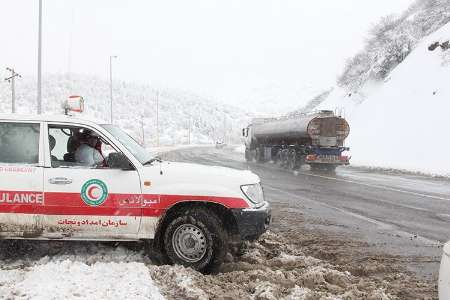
x,y
208,174
195,179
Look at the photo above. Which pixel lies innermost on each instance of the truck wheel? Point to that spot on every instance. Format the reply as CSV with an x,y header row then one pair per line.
x,y
323,168
274,154
292,160
284,158
314,167
248,155
330,168
259,155
279,159
196,239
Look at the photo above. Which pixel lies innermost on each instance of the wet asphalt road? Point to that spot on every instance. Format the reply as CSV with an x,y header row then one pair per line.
x,y
398,214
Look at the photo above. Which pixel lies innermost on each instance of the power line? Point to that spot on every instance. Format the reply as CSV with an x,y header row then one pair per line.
x,y
11,79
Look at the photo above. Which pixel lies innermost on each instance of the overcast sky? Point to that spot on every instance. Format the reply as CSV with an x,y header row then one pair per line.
x,y
232,50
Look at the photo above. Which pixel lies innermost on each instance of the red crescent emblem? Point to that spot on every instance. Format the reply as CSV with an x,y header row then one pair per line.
x,y
90,191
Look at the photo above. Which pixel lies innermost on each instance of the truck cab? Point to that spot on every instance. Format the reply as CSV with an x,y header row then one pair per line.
x,y
68,178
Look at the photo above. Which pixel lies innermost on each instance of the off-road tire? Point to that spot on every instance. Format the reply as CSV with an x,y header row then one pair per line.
x,y
215,239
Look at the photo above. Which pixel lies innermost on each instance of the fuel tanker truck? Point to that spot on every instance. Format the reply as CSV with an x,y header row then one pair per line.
x,y
316,139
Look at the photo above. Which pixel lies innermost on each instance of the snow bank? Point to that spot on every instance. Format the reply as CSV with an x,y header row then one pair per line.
x,y
68,279
403,122
40,270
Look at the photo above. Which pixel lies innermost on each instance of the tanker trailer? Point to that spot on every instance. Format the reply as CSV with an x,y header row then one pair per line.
x,y
316,139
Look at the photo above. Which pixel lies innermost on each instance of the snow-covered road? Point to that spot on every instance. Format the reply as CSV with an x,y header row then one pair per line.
x,y
403,216
352,235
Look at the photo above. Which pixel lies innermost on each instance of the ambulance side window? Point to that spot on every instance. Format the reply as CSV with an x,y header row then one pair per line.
x,y
19,143
78,147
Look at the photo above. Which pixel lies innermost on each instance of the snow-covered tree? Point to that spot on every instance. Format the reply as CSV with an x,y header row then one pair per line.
x,y
391,40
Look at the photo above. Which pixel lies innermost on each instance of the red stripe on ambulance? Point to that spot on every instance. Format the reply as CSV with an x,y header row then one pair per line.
x,y
53,203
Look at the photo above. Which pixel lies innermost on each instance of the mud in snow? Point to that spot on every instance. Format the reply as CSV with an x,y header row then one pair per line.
x,y
289,265
282,266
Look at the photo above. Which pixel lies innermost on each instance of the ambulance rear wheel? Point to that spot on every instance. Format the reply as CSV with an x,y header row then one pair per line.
x,y
196,239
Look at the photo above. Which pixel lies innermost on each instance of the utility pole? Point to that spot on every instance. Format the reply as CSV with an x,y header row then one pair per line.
x,y
143,131
224,129
157,118
39,75
13,91
189,131
111,86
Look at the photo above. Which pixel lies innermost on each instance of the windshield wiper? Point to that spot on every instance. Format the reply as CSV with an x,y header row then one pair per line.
x,y
149,162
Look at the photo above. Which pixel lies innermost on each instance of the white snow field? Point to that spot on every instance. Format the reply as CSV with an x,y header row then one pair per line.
x,y
80,270
403,122
134,108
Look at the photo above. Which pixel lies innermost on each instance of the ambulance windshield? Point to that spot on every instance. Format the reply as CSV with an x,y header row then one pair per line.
x,y
137,150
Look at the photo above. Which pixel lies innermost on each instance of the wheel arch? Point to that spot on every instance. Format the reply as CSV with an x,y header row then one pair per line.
x,y
222,212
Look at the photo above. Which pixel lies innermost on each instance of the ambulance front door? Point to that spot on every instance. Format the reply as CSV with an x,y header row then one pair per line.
x,y
85,201
21,173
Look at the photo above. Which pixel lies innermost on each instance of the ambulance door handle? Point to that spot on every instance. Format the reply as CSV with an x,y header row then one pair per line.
x,y
60,180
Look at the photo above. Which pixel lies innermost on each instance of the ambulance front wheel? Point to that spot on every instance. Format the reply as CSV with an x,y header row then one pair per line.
x,y
196,239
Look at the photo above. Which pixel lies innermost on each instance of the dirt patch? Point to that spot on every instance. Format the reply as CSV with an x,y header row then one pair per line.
x,y
293,264
276,268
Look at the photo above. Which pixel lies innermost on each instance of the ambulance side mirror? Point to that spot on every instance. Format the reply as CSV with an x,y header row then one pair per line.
x,y
119,161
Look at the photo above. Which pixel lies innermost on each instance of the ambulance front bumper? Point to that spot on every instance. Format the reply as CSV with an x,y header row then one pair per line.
x,y
253,222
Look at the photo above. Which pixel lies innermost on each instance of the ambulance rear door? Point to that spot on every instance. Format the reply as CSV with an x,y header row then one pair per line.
x,y
21,175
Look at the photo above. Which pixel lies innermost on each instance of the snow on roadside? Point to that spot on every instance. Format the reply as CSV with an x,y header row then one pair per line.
x,y
73,279
40,270
178,282
272,268
401,123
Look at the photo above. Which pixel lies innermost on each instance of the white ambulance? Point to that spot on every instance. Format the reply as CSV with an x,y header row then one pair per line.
x,y
65,178
444,274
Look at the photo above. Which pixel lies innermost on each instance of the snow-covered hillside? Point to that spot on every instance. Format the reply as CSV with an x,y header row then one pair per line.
x,y
133,103
403,122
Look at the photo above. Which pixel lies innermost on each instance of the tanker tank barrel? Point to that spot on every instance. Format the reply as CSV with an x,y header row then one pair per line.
x,y
316,139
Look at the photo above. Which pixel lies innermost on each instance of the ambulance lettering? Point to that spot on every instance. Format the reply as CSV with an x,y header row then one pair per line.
x,y
21,198
99,222
17,170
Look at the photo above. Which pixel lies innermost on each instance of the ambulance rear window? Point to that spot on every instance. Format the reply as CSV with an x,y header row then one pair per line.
x,y
19,143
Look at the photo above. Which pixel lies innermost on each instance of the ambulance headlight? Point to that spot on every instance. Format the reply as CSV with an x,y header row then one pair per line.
x,y
253,192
